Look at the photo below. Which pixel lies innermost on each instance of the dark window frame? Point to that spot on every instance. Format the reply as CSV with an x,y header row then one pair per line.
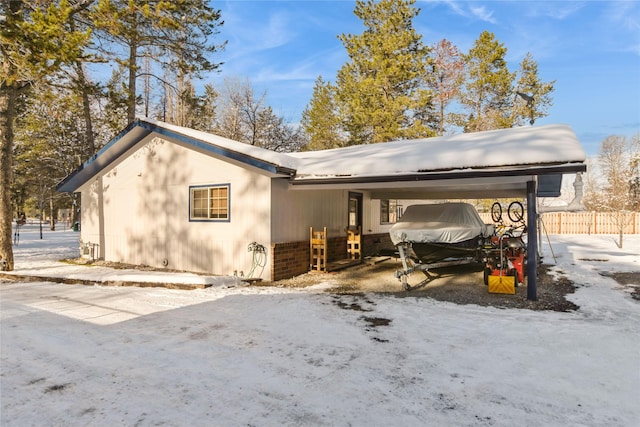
x,y
390,211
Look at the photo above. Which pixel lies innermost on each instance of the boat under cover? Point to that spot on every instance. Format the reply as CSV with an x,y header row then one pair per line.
x,y
440,231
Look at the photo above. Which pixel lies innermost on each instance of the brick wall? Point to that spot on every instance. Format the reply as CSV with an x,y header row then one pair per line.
x,y
289,259
292,258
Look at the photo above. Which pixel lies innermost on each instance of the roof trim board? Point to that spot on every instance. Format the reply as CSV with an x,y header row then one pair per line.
x,y
538,151
494,150
446,175
218,150
141,129
103,158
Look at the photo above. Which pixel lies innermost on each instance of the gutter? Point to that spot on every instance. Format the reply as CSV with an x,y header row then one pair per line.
x,y
444,175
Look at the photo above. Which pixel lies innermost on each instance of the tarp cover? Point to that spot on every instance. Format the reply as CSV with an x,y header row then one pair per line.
x,y
438,223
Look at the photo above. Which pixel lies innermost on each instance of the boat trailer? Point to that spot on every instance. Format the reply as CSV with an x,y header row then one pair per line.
x,y
409,265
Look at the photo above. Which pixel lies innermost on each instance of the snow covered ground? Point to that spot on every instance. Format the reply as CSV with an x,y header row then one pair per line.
x,y
235,355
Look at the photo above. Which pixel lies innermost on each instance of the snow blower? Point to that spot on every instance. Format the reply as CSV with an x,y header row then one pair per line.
x,y
498,281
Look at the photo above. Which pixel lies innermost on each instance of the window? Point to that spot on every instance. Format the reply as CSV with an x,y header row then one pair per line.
x,y
209,203
390,211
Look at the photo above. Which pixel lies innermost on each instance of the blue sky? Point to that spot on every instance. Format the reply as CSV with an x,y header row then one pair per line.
x,y
590,48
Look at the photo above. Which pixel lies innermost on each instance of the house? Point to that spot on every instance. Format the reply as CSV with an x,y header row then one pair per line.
x,y
168,196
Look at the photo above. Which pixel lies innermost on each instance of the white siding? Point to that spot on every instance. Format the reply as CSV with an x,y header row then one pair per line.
x,y
90,231
146,211
294,211
372,217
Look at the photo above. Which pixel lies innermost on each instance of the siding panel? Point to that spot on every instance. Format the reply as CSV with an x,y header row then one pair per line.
x,y
146,210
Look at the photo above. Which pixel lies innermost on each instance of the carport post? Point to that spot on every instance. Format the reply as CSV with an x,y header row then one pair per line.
x,y
532,242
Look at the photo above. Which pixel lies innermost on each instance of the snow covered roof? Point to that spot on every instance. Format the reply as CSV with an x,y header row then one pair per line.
x,y
515,147
270,161
517,152
281,161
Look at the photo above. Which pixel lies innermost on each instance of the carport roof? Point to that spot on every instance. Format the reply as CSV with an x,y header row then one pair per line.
x,y
483,164
494,163
514,148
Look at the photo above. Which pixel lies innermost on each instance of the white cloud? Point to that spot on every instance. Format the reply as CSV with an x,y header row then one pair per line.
x,y
556,10
477,12
455,7
626,14
481,13
276,33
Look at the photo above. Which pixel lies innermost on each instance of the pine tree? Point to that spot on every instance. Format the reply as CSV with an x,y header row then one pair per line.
x,y
50,143
87,90
174,34
382,91
321,120
488,90
116,101
201,109
182,106
35,41
534,96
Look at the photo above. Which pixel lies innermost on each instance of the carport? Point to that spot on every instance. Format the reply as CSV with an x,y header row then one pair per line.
x,y
525,162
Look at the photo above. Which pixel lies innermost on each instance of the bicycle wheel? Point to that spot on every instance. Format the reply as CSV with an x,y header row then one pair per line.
x,y
516,212
496,212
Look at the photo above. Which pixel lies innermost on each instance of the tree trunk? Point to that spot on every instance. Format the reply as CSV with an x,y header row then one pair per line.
x,y
621,224
52,218
86,109
621,235
75,202
133,70
8,97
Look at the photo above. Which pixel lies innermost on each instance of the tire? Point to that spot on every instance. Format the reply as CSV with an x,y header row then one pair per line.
x,y
496,212
487,273
516,212
513,272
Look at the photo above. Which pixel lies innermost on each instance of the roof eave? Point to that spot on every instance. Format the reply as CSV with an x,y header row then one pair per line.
x,y
220,151
103,158
530,170
140,129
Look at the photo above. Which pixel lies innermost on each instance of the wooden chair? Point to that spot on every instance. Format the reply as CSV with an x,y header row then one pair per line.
x,y
318,250
353,243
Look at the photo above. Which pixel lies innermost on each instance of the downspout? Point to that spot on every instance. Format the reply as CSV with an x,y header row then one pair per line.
x,y
532,242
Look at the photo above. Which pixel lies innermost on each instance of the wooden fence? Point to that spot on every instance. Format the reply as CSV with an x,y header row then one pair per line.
x,y
585,222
